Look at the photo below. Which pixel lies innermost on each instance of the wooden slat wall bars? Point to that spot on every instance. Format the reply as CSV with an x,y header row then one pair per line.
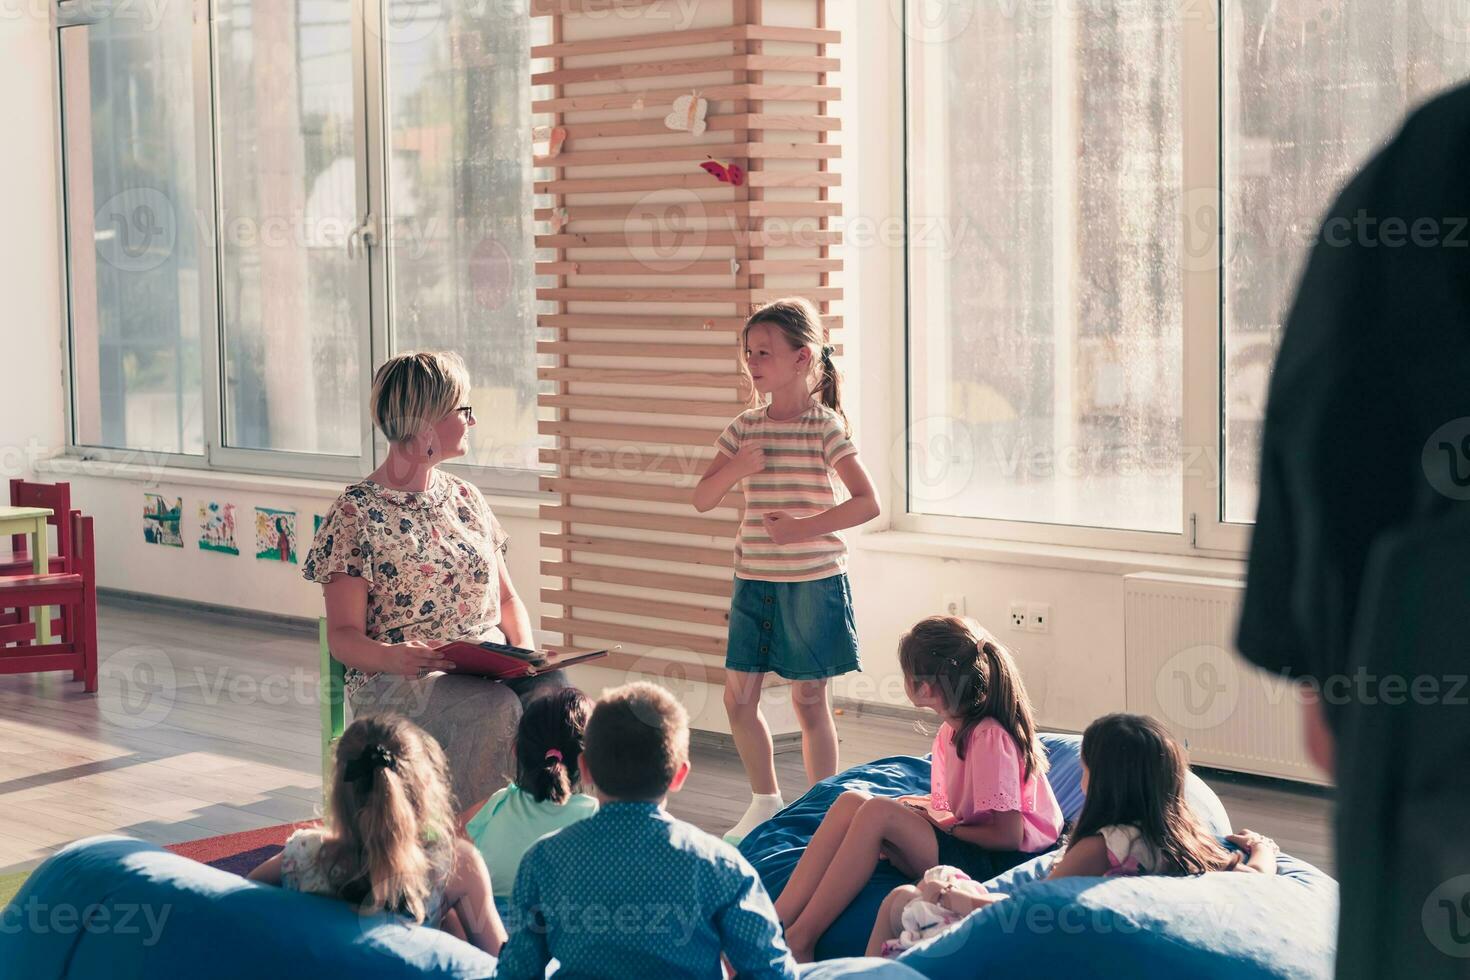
x,y
648,266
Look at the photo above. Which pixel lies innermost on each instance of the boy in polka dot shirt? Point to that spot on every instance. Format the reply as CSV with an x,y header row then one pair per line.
x,y
630,891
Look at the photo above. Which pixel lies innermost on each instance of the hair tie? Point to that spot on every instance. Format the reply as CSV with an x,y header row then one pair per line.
x,y
554,754
827,351
361,770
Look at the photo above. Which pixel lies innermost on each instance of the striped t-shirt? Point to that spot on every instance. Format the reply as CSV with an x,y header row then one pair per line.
x,y
800,456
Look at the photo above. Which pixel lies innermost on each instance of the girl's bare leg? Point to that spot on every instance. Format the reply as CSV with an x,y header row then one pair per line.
x,y
748,727
881,825
818,855
818,728
889,924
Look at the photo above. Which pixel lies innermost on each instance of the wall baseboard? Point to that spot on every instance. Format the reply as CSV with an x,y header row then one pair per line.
x,y
902,712
724,742
122,598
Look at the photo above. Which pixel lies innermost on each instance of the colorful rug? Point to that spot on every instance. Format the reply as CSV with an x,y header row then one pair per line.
x,y
238,853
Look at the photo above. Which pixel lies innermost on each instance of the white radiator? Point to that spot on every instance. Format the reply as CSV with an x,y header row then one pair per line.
x,y
1182,668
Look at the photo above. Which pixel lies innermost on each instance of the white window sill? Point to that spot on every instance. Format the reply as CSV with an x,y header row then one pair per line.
x,y
1102,561
150,475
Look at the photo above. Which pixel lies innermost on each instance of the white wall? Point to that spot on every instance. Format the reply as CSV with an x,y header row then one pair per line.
x,y
31,424
1074,673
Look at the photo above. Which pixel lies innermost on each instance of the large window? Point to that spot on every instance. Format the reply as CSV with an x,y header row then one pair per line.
x,y
459,186
293,306
1066,369
135,251
1311,90
1050,328
266,198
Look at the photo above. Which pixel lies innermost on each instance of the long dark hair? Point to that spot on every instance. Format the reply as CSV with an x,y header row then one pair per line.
x,y
549,741
801,325
1136,776
976,677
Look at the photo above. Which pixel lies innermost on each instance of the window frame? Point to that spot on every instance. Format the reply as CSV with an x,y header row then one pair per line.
x,y
1204,532
375,341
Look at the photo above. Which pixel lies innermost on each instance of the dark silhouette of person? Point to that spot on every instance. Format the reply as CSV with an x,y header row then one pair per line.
x,y
1367,435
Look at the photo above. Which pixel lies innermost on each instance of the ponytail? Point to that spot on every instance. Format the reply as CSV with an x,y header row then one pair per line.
x,y
1009,705
829,388
390,834
547,780
549,741
398,870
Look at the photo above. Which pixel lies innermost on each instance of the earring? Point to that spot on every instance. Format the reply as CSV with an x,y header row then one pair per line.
x,y
431,450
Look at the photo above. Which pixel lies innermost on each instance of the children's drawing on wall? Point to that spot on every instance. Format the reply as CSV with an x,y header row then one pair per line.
x,y
217,528
275,534
161,520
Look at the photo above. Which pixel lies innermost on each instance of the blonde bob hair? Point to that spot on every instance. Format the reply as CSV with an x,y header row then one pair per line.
x,y
416,390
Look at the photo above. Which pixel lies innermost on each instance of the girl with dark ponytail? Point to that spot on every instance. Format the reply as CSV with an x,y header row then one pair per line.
x,y
989,806
388,841
545,796
791,609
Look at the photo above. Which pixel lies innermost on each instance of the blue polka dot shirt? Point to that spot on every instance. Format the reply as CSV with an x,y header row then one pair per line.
x,y
632,892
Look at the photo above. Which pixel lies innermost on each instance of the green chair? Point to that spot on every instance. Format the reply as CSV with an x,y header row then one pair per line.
x,y
330,687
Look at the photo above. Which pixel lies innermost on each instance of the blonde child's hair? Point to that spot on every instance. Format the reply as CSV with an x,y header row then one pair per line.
x,y
976,678
801,325
415,390
390,820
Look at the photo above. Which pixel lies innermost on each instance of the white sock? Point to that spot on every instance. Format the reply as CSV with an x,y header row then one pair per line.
x,y
763,806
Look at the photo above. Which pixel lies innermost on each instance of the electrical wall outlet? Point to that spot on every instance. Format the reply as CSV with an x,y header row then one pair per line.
x,y
1019,614
954,604
1038,617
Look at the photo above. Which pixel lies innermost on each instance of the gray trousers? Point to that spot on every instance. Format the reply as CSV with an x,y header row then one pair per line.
x,y
473,718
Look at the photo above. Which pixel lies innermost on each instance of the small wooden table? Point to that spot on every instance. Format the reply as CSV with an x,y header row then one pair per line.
x,y
32,521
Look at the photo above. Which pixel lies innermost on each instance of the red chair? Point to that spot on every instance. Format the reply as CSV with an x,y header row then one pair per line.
x,y
56,496
75,590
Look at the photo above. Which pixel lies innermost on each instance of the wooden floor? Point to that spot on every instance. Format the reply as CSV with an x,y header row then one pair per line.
x,y
208,725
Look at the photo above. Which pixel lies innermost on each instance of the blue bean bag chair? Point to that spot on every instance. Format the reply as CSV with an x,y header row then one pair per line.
x,y
775,847
1226,925
119,908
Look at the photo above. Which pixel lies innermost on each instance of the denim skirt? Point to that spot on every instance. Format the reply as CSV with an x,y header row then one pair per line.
x,y
799,630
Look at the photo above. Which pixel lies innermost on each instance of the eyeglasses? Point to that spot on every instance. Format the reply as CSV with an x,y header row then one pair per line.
x,y
467,412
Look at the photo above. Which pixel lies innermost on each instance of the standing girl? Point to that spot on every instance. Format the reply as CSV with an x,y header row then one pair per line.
x,y
389,841
791,610
989,805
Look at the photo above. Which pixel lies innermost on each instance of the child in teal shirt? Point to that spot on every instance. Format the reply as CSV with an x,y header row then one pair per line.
x,y
544,798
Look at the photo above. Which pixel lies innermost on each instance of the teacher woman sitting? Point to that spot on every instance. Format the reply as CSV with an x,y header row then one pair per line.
x,y
411,558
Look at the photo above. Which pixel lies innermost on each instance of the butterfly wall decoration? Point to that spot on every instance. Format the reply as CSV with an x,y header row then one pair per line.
x,y
725,173
688,115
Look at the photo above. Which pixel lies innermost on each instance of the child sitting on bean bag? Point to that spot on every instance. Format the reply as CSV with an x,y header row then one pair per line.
x,y
1135,820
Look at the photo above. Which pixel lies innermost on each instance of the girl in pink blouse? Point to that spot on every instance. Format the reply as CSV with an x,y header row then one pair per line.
x,y
989,805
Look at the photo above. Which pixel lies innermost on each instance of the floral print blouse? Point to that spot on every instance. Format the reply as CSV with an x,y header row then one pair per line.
x,y
431,560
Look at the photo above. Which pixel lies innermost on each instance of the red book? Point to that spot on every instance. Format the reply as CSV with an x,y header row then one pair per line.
x,y
506,663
